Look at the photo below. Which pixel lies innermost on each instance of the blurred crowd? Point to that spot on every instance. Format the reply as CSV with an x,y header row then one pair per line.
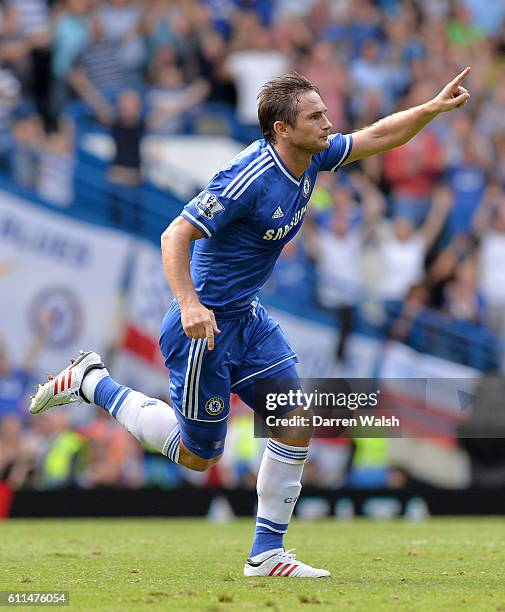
x,y
426,219
420,229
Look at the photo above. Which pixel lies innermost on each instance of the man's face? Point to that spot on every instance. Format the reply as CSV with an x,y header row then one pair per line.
x,y
312,126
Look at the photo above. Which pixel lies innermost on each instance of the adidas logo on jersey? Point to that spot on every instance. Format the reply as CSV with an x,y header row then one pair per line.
x,y
278,233
278,213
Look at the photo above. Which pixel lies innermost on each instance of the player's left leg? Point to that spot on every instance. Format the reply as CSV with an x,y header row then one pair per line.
x,y
268,354
278,487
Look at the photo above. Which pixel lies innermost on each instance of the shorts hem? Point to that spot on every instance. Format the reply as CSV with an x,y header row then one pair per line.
x,y
294,356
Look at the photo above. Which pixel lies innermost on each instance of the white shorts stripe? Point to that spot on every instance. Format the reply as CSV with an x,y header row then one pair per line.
x,y
252,179
263,370
194,364
246,176
344,154
241,173
188,368
197,379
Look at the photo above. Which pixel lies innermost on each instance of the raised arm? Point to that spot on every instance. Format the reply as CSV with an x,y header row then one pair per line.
x,y
397,129
197,321
166,110
443,200
91,95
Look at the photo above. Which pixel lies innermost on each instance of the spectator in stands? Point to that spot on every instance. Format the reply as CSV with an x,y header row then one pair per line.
x,y
294,37
26,136
370,73
170,99
328,463
463,301
43,162
10,90
70,37
128,124
121,21
114,458
18,453
467,178
491,226
99,65
444,265
488,17
63,456
413,171
411,310
461,31
250,67
210,57
54,178
33,18
403,249
167,24
321,67
339,287
343,238
14,49
491,119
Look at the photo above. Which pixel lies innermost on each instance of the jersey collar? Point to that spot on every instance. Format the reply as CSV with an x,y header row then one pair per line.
x,y
282,167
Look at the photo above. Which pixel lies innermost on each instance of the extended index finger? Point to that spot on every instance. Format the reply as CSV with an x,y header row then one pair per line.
x,y
461,76
209,334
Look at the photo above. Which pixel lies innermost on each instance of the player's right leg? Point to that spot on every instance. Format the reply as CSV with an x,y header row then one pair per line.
x,y
193,433
150,420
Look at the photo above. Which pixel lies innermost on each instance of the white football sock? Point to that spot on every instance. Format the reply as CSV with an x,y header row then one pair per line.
x,y
91,380
278,487
151,421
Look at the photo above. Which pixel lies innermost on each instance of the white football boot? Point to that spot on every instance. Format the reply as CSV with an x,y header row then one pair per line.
x,y
283,564
66,387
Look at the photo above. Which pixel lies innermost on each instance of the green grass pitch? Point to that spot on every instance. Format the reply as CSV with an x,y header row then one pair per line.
x,y
171,564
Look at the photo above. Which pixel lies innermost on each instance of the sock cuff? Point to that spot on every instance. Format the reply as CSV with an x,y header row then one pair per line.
x,y
271,525
286,453
171,446
90,382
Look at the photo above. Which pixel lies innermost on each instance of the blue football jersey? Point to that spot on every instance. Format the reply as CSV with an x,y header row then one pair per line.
x,y
247,213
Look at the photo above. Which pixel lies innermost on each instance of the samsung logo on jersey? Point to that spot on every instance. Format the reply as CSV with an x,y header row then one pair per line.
x,y
277,233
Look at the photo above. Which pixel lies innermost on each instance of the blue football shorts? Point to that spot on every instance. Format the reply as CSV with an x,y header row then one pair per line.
x,y
251,346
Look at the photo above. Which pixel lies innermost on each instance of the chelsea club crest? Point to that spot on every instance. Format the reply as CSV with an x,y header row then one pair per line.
x,y
214,406
306,186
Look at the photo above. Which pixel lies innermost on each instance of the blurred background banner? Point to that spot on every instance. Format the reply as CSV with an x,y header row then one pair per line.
x,y
59,273
145,299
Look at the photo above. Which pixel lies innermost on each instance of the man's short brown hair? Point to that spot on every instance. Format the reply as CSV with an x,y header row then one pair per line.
x,y
279,100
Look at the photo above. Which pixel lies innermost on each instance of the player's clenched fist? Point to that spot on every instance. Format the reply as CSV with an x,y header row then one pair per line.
x,y
199,322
